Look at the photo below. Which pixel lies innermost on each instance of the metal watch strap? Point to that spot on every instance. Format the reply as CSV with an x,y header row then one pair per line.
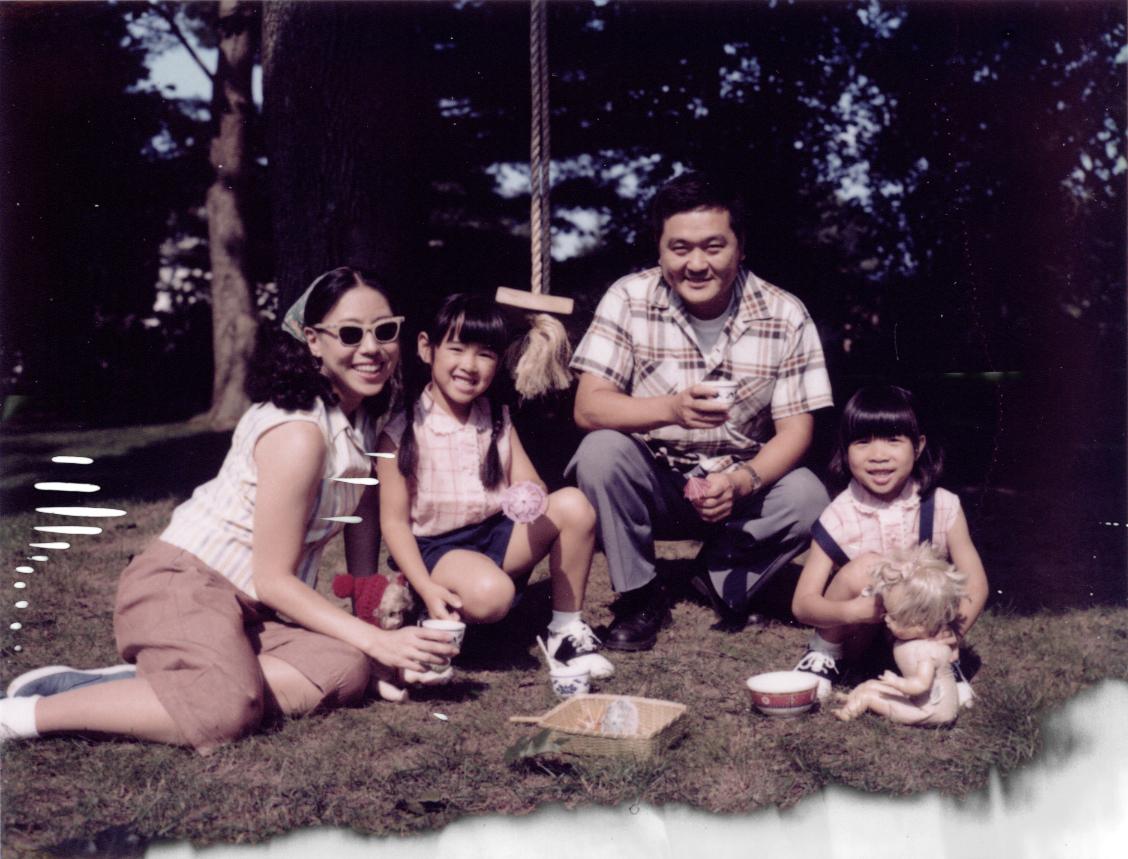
x,y
757,481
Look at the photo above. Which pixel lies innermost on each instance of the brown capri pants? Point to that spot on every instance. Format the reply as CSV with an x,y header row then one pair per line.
x,y
196,638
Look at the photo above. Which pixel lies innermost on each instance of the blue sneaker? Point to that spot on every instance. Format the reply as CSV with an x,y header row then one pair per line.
x,y
62,678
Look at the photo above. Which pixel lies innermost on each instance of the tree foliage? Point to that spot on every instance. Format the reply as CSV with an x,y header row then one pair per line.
x,y
86,202
875,143
941,182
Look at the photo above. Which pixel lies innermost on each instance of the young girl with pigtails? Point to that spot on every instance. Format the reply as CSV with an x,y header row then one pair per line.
x,y
889,502
456,468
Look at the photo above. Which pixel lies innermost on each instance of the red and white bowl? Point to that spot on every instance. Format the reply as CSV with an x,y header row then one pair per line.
x,y
783,694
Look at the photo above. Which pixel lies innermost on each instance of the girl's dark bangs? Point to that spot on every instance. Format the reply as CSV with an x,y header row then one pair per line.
x,y
881,423
486,330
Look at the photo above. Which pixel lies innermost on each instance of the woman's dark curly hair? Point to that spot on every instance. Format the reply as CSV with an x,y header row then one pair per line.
x,y
469,319
284,372
884,411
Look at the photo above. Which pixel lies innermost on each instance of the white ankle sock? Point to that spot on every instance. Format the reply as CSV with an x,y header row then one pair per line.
x,y
561,619
19,717
830,648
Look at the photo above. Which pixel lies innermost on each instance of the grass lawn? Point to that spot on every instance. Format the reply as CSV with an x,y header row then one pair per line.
x,y
389,769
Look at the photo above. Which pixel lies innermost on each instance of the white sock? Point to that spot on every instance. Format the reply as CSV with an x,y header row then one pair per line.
x,y
18,717
561,619
830,648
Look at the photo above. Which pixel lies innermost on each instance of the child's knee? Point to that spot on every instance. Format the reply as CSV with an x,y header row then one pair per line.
x,y
487,599
857,575
571,509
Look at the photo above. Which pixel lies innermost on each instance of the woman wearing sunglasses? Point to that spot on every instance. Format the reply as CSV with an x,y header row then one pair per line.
x,y
220,614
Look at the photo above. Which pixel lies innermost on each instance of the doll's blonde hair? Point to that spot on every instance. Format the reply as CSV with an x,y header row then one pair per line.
x,y
931,587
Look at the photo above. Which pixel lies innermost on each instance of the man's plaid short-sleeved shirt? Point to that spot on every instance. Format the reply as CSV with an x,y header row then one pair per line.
x,y
642,341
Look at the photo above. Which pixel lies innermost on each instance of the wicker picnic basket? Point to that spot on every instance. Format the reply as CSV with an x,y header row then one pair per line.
x,y
578,720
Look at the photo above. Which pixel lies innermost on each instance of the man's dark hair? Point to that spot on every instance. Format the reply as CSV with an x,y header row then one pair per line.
x,y
691,191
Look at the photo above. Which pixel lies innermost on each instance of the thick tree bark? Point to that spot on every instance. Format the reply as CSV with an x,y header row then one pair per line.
x,y
234,321
346,98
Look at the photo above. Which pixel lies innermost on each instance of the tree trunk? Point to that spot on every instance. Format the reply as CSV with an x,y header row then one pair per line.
x,y
346,99
234,321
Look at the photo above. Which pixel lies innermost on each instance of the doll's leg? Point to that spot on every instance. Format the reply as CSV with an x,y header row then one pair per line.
x,y
386,682
854,703
884,700
566,533
486,590
860,698
897,708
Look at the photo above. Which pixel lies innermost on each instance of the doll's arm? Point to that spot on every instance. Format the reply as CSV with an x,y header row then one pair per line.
x,y
917,661
395,523
967,561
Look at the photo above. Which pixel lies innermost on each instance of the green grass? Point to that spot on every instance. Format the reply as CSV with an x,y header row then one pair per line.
x,y
388,769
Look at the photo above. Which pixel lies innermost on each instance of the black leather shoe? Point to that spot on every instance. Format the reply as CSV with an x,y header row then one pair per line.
x,y
636,627
728,618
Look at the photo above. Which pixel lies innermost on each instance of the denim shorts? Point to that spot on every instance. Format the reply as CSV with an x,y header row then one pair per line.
x,y
490,538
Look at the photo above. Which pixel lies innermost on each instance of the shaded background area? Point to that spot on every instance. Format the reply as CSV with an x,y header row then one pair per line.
x,y
942,183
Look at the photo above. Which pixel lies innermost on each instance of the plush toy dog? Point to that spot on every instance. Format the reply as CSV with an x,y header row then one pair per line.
x,y
383,601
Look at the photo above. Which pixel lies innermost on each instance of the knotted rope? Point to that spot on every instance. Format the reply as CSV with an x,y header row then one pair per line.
x,y
539,363
540,159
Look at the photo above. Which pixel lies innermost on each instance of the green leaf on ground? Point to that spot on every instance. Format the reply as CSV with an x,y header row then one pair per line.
x,y
542,742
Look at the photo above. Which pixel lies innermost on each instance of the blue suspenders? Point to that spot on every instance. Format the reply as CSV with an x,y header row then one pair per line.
x,y
828,544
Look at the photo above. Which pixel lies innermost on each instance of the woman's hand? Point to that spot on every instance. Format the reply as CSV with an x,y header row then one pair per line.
x,y
412,647
437,598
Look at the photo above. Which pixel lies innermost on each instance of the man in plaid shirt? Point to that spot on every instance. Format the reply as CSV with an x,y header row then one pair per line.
x,y
658,339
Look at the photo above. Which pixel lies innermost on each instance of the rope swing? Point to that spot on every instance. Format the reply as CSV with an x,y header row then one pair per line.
x,y
539,363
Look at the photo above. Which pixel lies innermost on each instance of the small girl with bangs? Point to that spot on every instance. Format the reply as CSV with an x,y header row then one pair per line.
x,y
441,498
890,503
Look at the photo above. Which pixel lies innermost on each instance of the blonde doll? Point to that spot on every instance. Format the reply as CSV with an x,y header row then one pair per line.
x,y
921,594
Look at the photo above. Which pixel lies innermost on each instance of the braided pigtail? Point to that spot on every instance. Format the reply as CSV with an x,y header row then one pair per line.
x,y
407,459
492,473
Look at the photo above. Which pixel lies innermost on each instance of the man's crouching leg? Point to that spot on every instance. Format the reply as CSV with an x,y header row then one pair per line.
x,y
763,534
629,493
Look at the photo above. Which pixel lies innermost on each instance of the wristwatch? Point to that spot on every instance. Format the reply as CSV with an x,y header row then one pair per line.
x,y
757,481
